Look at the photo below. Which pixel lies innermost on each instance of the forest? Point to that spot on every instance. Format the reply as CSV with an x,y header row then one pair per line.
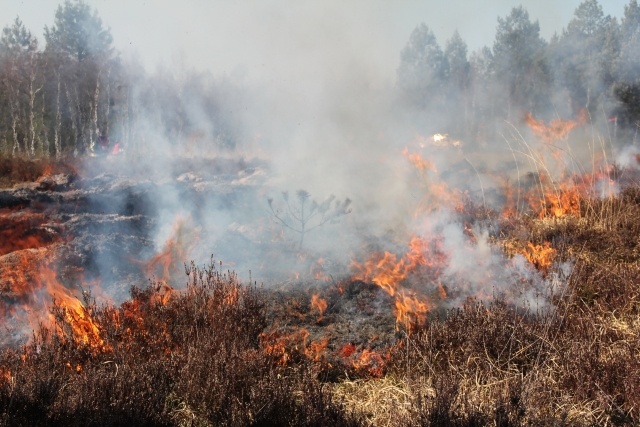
x,y
74,93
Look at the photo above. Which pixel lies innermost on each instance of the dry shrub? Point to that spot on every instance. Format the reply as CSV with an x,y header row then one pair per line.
x,y
198,358
166,358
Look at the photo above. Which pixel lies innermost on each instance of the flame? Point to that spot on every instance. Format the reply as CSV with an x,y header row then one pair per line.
x,y
318,271
388,272
417,161
558,199
83,329
347,350
385,271
541,256
370,362
557,129
423,259
317,350
284,347
318,304
410,311
438,195
162,294
5,376
175,251
24,230
30,284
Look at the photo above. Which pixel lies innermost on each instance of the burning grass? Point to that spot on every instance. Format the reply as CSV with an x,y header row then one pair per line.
x,y
371,349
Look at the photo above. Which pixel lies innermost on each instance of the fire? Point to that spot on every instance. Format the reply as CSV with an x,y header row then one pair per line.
x,y
287,348
424,260
30,284
75,316
163,293
410,311
317,350
557,129
417,161
319,304
438,193
347,350
558,200
5,376
284,348
437,140
24,230
174,252
386,272
541,256
370,362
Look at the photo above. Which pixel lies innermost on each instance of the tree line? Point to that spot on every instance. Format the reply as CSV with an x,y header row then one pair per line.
x,y
75,95
592,67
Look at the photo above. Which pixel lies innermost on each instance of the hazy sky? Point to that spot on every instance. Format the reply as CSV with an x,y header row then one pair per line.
x,y
252,38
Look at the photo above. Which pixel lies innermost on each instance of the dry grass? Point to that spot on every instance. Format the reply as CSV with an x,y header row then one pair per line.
x,y
380,402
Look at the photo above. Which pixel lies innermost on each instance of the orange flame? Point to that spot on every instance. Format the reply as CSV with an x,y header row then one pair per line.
x,y
32,283
388,272
410,311
541,256
556,130
559,200
284,347
317,350
370,362
76,316
175,252
417,161
23,230
319,304
438,194
347,350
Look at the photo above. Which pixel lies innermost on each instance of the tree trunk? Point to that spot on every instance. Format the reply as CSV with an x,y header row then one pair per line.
x,y
58,121
72,115
94,134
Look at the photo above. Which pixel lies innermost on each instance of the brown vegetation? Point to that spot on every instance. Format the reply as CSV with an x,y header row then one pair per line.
x,y
223,353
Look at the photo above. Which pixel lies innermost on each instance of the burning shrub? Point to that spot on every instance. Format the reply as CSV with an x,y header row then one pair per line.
x,y
167,358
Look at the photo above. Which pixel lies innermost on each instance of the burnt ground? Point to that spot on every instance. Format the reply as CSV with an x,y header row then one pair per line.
x,y
96,224
96,229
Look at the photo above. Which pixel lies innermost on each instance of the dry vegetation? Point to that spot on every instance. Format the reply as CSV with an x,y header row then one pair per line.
x,y
210,355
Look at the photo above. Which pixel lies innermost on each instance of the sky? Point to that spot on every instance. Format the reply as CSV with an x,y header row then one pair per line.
x,y
251,39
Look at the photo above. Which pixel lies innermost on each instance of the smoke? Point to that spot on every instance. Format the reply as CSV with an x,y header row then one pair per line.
x,y
316,108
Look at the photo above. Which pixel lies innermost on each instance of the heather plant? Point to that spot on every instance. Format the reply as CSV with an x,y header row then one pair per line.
x,y
198,356
166,358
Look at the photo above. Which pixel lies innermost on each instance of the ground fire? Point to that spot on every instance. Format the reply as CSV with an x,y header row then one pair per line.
x,y
346,318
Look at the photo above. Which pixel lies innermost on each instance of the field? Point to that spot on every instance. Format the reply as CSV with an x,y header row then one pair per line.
x,y
543,330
